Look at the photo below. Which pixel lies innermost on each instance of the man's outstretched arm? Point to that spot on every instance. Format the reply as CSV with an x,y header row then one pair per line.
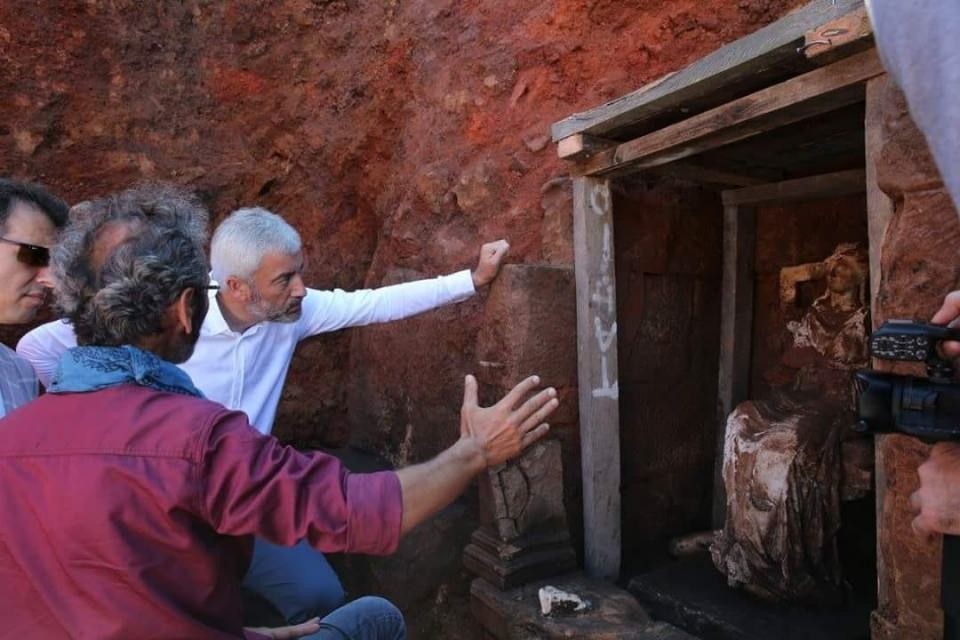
x,y
488,436
251,484
325,311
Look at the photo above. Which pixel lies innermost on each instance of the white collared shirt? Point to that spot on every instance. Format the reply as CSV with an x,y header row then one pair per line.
x,y
246,371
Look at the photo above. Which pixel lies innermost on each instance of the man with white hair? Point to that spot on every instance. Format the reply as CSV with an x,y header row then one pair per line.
x,y
261,312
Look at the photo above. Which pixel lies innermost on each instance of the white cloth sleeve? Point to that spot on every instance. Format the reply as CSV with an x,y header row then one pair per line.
x,y
331,310
43,346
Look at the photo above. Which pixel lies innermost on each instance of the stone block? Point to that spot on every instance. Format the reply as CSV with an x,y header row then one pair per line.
x,y
918,266
918,260
530,326
905,163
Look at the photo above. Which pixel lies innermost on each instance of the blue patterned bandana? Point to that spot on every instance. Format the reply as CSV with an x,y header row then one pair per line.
x,y
83,369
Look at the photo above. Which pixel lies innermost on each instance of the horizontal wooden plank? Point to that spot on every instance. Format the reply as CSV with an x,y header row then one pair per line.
x,y
708,175
828,185
582,145
839,38
799,98
768,48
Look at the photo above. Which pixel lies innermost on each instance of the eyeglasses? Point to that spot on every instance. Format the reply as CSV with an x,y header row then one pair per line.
x,y
30,254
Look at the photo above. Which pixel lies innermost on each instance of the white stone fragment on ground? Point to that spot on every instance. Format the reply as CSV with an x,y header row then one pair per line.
x,y
553,600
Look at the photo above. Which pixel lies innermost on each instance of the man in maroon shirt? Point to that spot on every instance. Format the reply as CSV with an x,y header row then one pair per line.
x,y
129,502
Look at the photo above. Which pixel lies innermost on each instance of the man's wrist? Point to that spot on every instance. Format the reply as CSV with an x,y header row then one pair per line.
x,y
476,281
469,452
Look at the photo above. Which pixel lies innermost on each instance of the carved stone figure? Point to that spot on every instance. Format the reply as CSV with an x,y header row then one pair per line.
x,y
782,466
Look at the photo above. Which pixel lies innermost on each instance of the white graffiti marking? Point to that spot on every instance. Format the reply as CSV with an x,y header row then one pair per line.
x,y
599,201
603,297
606,390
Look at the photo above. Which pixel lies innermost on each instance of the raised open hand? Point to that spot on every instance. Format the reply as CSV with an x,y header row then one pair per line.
x,y
511,425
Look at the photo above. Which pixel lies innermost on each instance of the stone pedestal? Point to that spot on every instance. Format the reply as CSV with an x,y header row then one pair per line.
x,y
525,535
509,564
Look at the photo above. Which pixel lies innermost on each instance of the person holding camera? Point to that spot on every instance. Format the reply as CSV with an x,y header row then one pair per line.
x,y
937,501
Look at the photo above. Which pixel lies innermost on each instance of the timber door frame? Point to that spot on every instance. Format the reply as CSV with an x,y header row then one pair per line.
x,y
729,102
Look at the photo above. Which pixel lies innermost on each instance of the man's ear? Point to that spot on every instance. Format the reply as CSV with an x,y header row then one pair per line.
x,y
183,310
237,289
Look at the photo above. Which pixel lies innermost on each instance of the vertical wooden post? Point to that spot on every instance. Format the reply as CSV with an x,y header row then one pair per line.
x,y
736,322
597,374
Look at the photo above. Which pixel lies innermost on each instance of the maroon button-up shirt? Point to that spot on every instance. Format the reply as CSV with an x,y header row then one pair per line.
x,y
127,513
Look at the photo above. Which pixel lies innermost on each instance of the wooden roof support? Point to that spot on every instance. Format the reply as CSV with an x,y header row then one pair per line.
x,y
599,388
773,46
582,145
736,326
828,185
711,175
814,93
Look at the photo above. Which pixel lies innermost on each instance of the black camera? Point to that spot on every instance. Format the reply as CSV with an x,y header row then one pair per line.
x,y
928,408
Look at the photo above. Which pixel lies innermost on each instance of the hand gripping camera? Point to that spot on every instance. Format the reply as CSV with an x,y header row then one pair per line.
x,y
889,403
926,408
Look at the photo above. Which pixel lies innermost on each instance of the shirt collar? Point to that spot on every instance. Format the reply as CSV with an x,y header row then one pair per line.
x,y
214,323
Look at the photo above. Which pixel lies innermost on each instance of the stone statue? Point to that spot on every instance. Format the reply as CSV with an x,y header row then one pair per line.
x,y
782,464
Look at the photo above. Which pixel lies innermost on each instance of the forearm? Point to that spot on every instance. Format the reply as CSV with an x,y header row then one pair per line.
x,y
332,310
429,487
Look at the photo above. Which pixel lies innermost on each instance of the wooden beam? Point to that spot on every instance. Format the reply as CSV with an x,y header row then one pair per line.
x,y
736,321
839,38
771,47
828,185
581,145
597,375
708,175
811,94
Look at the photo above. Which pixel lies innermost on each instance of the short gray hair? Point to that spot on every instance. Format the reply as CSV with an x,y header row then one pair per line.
x,y
244,238
124,299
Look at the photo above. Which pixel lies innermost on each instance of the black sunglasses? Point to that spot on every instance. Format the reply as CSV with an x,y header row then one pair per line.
x,y
30,254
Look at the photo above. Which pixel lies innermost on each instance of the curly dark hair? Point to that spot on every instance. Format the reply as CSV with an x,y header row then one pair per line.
x,y
122,298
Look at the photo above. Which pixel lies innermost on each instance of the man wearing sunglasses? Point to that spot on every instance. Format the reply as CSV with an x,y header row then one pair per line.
x,y
29,219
